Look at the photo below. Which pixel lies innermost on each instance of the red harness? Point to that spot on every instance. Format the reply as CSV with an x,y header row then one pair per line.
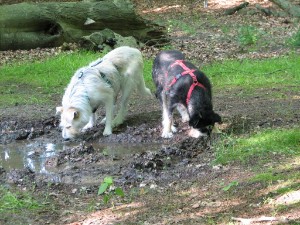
x,y
185,72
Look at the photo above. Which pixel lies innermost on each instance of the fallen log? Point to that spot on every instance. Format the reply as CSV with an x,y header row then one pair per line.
x,y
288,7
32,25
270,12
266,11
233,10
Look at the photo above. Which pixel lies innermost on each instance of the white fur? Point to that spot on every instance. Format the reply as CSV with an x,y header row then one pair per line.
x,y
169,128
123,68
167,122
183,112
167,119
195,133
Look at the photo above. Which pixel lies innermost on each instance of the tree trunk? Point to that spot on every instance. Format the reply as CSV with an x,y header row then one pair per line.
x,y
288,7
30,25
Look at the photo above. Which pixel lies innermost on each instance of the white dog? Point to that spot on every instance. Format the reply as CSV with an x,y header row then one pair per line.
x,y
121,70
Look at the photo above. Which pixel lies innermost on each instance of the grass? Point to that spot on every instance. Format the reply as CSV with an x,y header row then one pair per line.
x,y
15,202
273,176
249,74
175,24
148,74
44,81
258,145
40,81
247,35
294,40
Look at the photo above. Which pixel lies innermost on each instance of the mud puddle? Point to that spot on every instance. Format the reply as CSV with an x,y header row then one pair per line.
x,y
84,163
134,154
28,154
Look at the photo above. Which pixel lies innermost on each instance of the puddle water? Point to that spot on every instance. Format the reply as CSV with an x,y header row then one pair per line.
x,y
20,155
33,155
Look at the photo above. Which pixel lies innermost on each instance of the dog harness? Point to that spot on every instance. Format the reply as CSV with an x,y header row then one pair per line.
x,y
103,76
187,71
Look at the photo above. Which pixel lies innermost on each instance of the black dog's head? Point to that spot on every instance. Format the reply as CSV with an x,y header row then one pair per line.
x,y
204,121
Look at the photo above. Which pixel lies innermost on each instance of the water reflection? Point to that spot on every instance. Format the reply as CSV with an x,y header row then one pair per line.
x,y
6,155
21,155
41,158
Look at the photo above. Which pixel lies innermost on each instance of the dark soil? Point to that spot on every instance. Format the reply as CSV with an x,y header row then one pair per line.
x,y
165,181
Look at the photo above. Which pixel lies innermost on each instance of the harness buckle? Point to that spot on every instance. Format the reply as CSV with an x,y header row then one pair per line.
x,y
178,76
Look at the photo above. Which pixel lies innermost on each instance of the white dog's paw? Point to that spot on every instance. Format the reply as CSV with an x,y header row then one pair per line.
x,y
103,121
107,132
195,133
174,129
167,135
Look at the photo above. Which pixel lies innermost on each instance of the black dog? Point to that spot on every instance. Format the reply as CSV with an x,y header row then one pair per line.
x,y
179,84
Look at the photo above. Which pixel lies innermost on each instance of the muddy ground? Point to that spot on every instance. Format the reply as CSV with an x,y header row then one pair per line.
x,y
165,181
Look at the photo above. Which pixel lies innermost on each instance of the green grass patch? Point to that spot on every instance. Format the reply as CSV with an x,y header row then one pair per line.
x,y
268,177
247,35
18,201
290,188
37,82
148,74
43,81
289,176
249,74
258,145
294,41
175,24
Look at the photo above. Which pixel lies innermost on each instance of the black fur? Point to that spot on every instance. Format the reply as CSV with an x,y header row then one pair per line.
x,y
200,108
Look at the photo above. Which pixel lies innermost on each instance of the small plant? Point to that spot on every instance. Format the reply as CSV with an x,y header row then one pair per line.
x,y
108,190
294,41
230,185
247,35
14,202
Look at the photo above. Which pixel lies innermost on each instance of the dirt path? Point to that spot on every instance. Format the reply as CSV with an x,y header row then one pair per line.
x,y
165,181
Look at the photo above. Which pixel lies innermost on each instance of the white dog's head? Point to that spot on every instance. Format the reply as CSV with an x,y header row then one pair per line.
x,y
71,122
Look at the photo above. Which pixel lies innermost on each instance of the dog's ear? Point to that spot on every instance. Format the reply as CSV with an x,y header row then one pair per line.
x,y
59,110
72,113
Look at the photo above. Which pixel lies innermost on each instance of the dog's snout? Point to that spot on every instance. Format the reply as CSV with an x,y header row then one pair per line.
x,y
65,136
67,139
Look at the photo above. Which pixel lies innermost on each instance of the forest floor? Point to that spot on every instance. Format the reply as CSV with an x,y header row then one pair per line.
x,y
165,181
